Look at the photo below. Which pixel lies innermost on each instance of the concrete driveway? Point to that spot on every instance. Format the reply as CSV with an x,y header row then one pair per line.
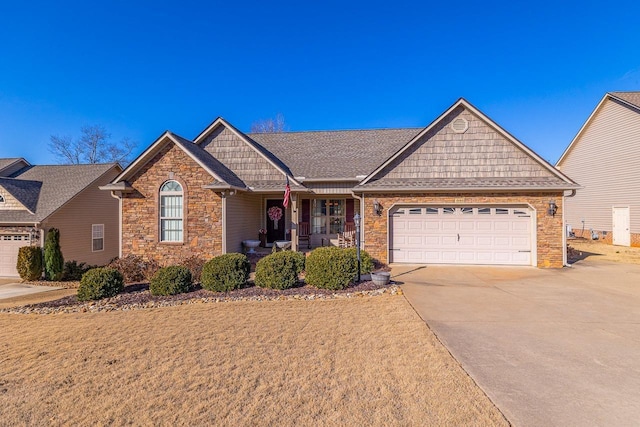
x,y
11,288
549,347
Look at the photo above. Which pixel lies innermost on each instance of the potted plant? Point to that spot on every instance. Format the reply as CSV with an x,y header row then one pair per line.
x,y
262,235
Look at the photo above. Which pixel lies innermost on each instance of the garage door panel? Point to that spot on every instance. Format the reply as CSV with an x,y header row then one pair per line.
x,y
463,236
9,247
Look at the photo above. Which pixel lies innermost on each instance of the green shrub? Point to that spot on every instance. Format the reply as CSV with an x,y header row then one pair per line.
x,y
225,272
30,262
74,271
134,268
330,268
170,281
279,270
53,260
99,283
366,262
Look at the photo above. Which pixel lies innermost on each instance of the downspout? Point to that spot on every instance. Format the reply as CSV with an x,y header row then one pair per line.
x,y
119,197
362,220
564,230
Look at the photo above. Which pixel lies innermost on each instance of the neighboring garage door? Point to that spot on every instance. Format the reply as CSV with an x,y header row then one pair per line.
x,y
461,235
9,245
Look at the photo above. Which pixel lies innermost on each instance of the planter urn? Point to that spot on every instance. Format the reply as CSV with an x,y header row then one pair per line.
x,y
381,278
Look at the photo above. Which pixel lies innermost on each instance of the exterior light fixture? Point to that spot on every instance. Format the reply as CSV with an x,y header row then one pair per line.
x,y
553,208
377,207
356,222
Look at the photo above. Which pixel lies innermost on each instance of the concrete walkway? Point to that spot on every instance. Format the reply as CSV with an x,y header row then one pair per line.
x,y
12,288
549,347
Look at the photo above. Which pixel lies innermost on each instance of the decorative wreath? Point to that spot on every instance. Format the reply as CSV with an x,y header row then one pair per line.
x,y
275,213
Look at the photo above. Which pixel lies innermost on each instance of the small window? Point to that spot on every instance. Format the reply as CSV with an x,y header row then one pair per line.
x,y
432,211
519,212
502,211
448,211
415,211
484,211
97,237
400,212
467,211
1,198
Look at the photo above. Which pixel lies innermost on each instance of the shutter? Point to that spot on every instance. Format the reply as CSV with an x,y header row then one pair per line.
x,y
306,210
349,210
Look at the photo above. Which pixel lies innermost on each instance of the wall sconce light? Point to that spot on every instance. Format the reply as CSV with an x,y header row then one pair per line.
x,y
377,207
553,208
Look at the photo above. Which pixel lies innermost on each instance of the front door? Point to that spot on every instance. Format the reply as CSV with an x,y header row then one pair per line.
x,y
621,224
275,221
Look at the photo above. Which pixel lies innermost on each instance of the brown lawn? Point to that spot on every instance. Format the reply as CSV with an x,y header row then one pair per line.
x,y
598,251
362,361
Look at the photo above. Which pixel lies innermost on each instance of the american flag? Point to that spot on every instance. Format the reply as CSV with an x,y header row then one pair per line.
x,y
287,194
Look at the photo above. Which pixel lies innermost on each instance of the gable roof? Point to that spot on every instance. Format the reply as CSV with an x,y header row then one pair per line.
x,y
553,178
276,162
630,99
345,154
216,169
45,189
9,163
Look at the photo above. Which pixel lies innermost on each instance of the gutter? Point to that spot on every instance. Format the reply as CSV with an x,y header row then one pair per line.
x,y
458,189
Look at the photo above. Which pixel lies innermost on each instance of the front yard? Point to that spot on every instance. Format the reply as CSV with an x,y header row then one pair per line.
x,y
359,361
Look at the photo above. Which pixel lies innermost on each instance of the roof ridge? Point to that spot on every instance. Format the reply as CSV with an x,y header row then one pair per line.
x,y
333,130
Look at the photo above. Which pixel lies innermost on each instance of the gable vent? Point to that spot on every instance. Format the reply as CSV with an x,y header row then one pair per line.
x,y
460,125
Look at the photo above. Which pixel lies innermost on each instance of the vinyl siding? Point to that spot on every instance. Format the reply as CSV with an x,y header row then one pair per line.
x,y
605,160
243,219
74,220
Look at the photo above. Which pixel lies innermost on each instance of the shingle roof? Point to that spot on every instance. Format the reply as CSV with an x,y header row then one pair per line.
x,y
630,97
58,184
9,161
25,191
335,154
467,184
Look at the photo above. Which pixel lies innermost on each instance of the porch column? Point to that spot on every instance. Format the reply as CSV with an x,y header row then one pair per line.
x,y
294,222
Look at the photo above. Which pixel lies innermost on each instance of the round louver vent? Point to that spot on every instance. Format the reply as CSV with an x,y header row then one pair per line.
x,y
460,125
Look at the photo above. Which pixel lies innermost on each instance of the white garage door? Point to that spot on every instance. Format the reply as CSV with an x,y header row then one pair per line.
x,y
9,245
461,235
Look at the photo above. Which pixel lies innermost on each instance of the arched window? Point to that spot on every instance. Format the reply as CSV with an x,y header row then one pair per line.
x,y
171,212
1,199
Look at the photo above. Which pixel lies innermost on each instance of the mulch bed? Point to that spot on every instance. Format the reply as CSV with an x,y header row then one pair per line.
x,y
137,296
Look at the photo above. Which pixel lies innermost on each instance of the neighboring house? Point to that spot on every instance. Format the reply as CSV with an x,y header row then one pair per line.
x,y
462,190
604,157
34,199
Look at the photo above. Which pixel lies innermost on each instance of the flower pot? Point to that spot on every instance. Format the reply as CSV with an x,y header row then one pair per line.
x,y
381,278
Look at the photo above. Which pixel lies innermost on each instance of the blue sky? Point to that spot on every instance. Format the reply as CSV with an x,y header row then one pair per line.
x,y
139,68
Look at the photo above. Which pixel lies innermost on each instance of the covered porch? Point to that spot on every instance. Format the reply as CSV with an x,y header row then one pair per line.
x,y
309,221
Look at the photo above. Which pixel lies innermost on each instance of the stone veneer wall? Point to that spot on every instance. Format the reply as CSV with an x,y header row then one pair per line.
x,y
202,215
549,229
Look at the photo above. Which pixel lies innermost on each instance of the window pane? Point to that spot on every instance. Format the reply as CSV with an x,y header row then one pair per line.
x,y
171,206
468,211
337,225
171,230
448,210
432,211
415,211
484,211
336,207
319,207
98,244
319,225
171,186
501,211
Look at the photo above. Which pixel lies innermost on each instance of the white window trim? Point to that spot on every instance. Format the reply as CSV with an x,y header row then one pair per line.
x,y
161,218
327,214
95,227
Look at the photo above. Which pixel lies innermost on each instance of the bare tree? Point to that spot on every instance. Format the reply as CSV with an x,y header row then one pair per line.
x,y
93,146
273,125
